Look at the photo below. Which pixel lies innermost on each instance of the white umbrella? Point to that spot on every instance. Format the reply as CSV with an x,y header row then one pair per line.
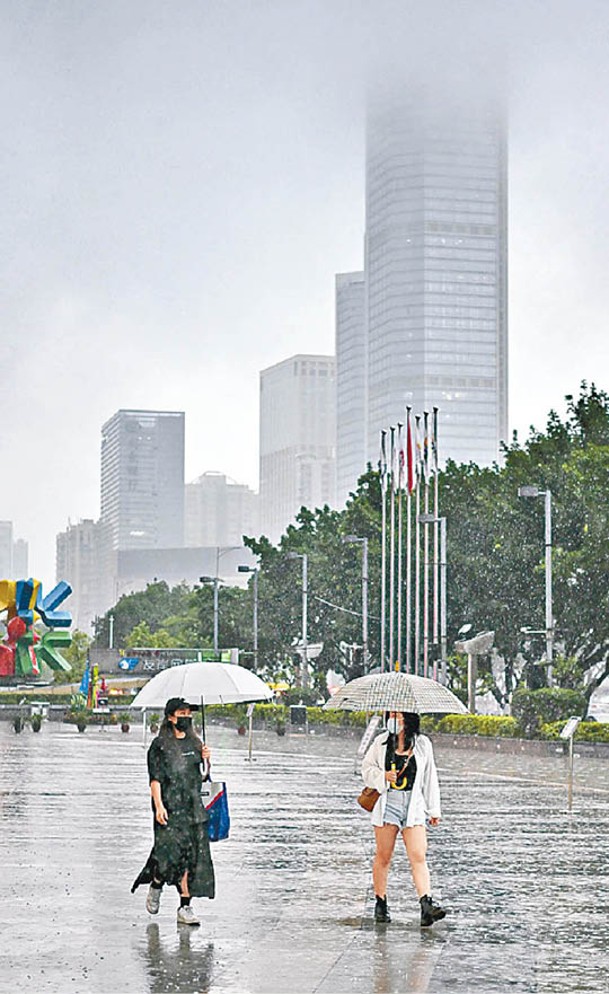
x,y
396,692
207,683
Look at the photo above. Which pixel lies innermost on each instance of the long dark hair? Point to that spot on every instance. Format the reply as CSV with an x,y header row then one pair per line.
x,y
412,727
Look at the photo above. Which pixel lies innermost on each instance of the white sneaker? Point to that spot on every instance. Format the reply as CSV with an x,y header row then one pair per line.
x,y
186,916
153,900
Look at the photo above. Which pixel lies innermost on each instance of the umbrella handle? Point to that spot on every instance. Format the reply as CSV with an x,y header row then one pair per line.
x,y
202,719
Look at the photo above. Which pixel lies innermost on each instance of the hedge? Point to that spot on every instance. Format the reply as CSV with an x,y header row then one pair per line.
x,y
534,708
489,725
587,731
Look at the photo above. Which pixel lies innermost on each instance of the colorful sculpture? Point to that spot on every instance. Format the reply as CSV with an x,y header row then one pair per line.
x,y
23,647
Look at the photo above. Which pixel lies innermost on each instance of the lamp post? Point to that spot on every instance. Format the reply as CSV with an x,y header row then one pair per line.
x,y
430,519
216,582
305,593
254,570
357,540
532,491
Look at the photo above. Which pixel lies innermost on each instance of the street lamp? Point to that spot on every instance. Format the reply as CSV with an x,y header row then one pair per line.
x,y
532,491
430,519
356,540
216,582
254,570
305,591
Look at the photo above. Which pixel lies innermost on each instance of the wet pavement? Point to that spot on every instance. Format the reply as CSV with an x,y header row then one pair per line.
x,y
525,881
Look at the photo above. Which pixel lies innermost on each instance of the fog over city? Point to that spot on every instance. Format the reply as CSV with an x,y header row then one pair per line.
x,y
182,182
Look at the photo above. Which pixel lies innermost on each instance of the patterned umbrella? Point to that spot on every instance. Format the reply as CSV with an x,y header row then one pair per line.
x,y
396,692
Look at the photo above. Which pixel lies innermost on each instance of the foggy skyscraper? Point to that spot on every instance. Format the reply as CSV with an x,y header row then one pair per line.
x,y
435,299
297,439
351,393
142,480
436,266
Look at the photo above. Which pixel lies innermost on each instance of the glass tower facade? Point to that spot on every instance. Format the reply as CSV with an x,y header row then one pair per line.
x,y
351,442
142,480
436,272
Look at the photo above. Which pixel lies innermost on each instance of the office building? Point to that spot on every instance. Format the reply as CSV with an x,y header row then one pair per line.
x,y
219,511
6,550
433,305
20,559
436,270
297,439
351,392
142,480
78,550
13,554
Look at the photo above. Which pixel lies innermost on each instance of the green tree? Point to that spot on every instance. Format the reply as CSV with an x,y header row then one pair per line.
x,y
141,637
76,654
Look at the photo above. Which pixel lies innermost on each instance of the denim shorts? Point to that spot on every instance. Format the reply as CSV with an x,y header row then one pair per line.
x,y
396,809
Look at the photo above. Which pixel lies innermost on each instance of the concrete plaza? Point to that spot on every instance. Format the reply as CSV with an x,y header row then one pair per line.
x,y
524,880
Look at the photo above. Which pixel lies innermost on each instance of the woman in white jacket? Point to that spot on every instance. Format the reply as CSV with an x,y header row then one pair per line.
x,y
400,765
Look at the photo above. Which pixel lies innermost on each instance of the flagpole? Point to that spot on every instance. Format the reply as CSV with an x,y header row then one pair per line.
x,y
392,554
426,548
400,488
436,537
383,481
409,481
417,557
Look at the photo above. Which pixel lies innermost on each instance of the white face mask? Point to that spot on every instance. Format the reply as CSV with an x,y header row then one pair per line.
x,y
394,725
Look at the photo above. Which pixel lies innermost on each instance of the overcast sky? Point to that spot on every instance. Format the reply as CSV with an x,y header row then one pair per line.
x,y
182,180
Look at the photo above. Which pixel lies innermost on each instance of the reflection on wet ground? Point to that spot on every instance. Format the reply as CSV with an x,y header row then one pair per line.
x,y
524,880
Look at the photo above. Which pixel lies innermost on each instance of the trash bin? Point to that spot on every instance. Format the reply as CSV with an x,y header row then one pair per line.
x,y
298,717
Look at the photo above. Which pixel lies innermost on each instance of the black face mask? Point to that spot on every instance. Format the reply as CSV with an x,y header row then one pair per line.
x,y
183,723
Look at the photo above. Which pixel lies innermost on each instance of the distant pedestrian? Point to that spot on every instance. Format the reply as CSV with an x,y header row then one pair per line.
x,y
400,765
180,855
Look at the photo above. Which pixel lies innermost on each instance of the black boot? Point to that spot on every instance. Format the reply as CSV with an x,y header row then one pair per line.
x,y
381,912
430,912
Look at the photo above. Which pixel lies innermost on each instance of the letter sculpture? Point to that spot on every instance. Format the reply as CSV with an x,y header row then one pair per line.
x,y
23,646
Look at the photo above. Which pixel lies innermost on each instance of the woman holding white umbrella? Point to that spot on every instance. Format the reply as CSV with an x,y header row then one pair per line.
x,y
400,766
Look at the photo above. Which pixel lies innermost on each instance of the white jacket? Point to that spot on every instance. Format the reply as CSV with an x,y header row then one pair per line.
x,y
425,800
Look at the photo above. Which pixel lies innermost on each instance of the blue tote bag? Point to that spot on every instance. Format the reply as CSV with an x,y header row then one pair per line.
x,y
215,802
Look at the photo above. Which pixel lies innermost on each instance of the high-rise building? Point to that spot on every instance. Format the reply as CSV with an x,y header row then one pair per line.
x,y
297,439
78,562
434,301
142,480
218,511
20,558
13,554
351,393
6,550
436,269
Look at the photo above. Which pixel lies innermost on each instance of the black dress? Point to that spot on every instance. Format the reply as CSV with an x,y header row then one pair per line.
x,y
182,844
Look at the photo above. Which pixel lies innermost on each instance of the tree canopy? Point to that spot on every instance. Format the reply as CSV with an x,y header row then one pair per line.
x,y
496,571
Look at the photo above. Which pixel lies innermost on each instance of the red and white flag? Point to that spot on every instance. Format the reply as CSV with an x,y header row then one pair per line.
x,y
401,456
410,455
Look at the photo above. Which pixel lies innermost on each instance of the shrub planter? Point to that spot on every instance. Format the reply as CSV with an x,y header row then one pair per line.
x,y
241,729
18,724
36,722
125,720
81,725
